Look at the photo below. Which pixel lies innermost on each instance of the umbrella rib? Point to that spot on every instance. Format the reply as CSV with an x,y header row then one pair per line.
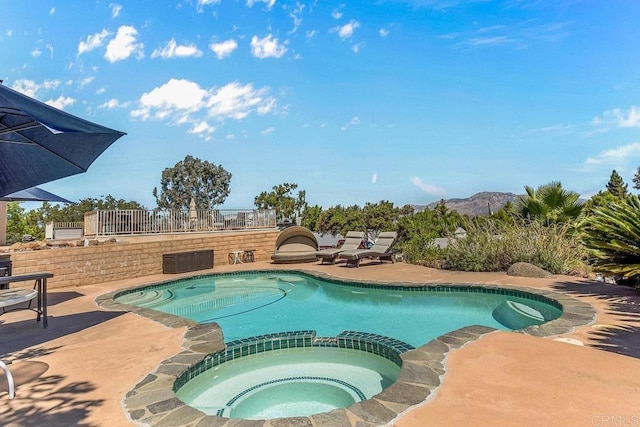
x,y
31,141
24,126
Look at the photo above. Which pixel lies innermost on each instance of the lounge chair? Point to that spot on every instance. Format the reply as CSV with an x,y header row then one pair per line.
x,y
380,250
295,244
352,241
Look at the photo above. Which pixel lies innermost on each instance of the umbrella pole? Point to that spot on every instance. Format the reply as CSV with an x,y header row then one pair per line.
x,y
3,223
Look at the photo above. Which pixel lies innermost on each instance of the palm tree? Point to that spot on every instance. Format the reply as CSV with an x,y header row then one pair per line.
x,y
550,203
612,233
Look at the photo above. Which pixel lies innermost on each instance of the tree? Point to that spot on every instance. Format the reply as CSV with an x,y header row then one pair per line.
x,y
616,185
341,220
612,234
192,178
636,179
310,217
281,199
550,203
381,216
601,199
17,225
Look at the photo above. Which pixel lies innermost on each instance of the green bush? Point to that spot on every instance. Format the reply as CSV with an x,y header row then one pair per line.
x,y
488,247
612,234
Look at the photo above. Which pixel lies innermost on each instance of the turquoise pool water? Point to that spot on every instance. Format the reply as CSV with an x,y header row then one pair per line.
x,y
290,382
258,303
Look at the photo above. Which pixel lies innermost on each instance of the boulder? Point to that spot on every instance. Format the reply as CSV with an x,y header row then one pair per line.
x,y
525,269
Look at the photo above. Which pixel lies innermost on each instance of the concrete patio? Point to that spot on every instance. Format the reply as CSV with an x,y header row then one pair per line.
x,y
78,370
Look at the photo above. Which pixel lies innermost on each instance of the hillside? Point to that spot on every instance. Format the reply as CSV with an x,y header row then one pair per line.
x,y
478,204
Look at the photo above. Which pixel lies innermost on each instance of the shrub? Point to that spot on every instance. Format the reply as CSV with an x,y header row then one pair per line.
x,y
488,247
612,234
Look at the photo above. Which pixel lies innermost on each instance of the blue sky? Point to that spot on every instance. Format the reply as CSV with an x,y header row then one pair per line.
x,y
408,101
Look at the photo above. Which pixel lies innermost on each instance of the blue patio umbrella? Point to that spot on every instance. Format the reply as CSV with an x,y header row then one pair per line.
x,y
39,143
33,194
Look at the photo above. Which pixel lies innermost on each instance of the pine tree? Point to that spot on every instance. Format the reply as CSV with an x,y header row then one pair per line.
x,y
616,185
636,179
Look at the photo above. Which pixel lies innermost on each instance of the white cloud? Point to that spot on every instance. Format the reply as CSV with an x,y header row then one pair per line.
x,y
174,97
184,102
86,81
374,178
52,11
519,35
115,9
267,131
355,120
173,50
92,42
336,14
266,107
618,118
428,188
124,44
296,15
383,32
49,48
36,52
616,155
560,129
311,34
113,103
345,31
267,47
268,3
238,101
206,3
223,49
202,128
61,102
31,88
356,47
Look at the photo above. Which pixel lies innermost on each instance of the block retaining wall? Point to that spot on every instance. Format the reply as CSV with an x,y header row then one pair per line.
x,y
79,266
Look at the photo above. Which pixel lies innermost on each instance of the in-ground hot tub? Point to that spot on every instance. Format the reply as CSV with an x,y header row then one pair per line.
x,y
295,374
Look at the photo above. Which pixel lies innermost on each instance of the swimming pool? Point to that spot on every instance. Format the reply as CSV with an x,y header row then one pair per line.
x,y
422,368
258,303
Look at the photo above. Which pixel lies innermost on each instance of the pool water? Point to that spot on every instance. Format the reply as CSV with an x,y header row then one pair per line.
x,y
291,382
259,303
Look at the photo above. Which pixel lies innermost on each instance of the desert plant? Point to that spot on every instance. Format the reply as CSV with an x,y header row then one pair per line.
x,y
612,235
550,204
495,247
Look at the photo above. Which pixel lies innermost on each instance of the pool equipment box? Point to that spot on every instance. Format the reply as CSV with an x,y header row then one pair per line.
x,y
183,262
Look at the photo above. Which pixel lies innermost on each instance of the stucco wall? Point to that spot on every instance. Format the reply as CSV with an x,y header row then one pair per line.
x,y
128,259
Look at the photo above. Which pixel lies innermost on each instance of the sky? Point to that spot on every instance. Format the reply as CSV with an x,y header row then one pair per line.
x,y
407,101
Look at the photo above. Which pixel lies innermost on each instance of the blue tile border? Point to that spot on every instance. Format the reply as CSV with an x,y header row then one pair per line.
x,y
378,345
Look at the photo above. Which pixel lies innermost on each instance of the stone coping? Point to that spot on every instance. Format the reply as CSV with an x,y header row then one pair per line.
x,y
153,401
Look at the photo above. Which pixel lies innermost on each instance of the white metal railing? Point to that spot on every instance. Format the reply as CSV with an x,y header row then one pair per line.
x,y
128,222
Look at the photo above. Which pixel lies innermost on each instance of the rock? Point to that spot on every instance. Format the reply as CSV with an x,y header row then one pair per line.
x,y
525,269
35,245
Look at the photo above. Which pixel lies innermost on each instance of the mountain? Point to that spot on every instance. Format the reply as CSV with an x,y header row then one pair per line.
x,y
478,204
